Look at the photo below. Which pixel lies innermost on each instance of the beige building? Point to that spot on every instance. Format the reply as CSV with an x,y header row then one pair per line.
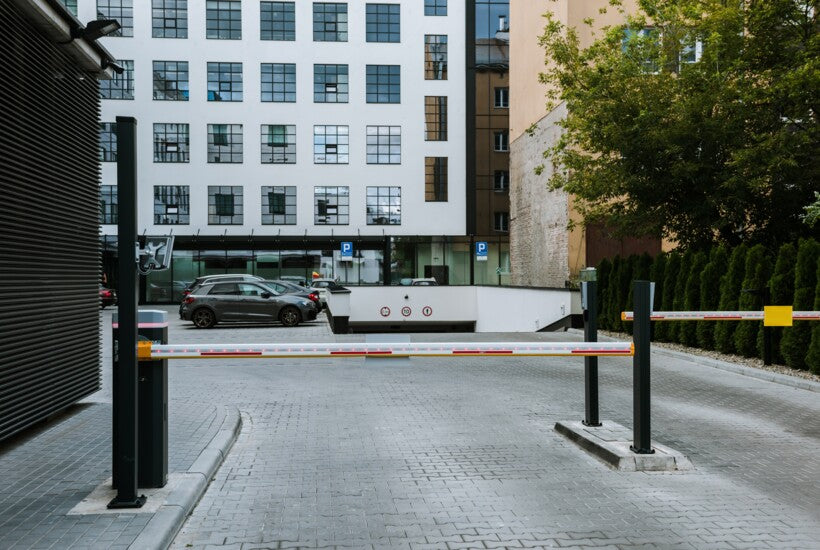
x,y
543,251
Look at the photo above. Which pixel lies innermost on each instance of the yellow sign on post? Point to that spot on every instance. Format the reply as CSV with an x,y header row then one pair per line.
x,y
777,316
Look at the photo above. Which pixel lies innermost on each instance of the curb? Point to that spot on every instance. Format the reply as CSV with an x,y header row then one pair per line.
x,y
160,531
751,372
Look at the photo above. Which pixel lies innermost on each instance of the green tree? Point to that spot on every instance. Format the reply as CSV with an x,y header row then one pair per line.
x,y
604,269
687,331
656,275
781,292
755,277
641,266
621,293
710,294
658,141
670,280
679,299
730,285
797,338
611,293
813,356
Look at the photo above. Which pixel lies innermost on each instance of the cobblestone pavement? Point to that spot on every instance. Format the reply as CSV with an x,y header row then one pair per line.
x,y
461,453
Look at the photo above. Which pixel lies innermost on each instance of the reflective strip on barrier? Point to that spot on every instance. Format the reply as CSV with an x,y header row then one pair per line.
x,y
718,316
149,351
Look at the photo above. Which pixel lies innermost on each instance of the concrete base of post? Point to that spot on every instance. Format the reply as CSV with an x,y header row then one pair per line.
x,y
610,443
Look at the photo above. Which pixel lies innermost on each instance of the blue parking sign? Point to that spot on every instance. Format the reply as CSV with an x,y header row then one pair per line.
x,y
347,250
481,249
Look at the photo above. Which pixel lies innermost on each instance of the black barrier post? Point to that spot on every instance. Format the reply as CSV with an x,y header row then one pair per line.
x,y
124,447
590,294
640,368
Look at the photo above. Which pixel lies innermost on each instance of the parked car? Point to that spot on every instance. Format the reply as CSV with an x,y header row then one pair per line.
x,y
244,301
108,297
428,281
295,279
286,287
322,286
199,281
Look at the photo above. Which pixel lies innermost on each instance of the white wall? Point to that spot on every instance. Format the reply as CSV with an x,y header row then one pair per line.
x,y
493,309
418,217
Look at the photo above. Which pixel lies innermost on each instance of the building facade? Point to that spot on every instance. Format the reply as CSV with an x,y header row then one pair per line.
x,y
271,131
543,251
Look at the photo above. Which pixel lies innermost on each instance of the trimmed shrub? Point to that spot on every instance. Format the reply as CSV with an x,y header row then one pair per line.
x,y
620,296
679,298
611,292
781,293
670,278
813,356
754,283
710,294
656,275
730,285
686,332
797,338
604,269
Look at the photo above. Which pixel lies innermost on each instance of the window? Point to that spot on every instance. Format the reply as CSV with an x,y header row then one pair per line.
x,y
383,83
435,118
171,205
384,206
435,7
108,142
122,11
330,83
171,142
223,19
224,205
501,181
691,51
224,81
169,18
502,98
122,85
642,45
225,143
330,145
279,82
224,289
383,22
501,142
331,206
171,80
435,57
384,145
279,205
329,22
70,5
501,221
435,179
278,144
277,21
108,205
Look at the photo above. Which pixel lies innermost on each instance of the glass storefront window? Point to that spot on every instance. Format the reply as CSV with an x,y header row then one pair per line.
x,y
239,261
184,271
267,264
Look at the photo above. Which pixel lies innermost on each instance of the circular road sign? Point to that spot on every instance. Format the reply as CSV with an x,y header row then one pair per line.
x,y
427,311
406,311
385,311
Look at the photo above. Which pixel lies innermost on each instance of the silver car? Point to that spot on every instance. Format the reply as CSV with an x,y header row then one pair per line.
x,y
244,302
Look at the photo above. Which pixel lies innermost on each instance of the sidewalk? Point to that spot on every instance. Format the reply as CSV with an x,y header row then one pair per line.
x,y
423,454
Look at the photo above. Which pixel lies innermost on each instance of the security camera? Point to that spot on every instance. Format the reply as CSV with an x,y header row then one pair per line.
x,y
116,67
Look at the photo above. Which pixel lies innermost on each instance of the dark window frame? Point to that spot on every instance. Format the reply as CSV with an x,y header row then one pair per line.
x,y
383,23
122,11
174,88
278,82
272,215
383,83
223,23
172,205
435,179
165,11
331,208
219,204
330,83
166,134
435,118
274,152
224,81
330,23
232,143
381,150
108,136
381,205
435,57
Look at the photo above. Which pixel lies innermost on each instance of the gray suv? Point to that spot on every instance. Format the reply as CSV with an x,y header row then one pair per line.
x,y
244,302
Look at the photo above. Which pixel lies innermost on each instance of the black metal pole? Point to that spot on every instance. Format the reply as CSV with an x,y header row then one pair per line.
x,y
640,369
767,331
591,363
125,375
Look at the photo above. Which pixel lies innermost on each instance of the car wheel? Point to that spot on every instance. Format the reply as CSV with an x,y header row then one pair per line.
x,y
289,316
204,318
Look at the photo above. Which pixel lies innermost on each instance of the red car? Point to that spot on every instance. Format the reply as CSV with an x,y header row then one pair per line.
x,y
108,297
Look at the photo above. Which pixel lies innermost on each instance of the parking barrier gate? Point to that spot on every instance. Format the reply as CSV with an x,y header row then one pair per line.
x,y
718,316
149,351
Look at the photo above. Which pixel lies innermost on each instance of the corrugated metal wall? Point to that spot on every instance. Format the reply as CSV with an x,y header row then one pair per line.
x,y
49,235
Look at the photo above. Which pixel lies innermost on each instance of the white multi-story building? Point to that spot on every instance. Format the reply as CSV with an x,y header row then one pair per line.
x,y
282,120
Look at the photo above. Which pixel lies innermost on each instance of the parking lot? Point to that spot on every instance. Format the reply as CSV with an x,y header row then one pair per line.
x,y
461,452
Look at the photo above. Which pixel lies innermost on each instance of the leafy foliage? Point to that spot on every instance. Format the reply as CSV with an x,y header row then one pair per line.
x,y
660,142
797,338
751,299
730,285
781,291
